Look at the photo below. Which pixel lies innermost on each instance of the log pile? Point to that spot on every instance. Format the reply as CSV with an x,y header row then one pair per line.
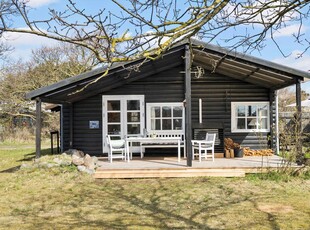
x,y
262,152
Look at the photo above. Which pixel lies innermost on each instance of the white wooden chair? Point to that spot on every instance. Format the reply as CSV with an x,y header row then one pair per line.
x,y
117,149
203,146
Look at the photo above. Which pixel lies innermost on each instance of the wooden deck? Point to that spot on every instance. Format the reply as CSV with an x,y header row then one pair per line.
x,y
149,167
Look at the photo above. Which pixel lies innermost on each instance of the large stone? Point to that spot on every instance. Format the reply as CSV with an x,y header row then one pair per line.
x,y
81,168
89,162
76,160
75,152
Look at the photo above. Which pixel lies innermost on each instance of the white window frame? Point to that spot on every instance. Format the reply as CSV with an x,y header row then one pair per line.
x,y
123,110
148,118
234,106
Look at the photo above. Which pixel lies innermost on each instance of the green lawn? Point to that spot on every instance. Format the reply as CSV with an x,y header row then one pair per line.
x,y
66,199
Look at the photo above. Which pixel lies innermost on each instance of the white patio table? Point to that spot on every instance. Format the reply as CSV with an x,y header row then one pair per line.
x,y
161,141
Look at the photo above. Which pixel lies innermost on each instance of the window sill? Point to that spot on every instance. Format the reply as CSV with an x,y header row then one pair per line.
x,y
250,131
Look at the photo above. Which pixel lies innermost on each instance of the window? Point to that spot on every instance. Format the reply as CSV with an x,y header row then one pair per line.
x,y
122,115
250,116
165,117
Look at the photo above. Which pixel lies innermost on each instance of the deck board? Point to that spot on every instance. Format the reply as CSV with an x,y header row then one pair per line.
x,y
149,167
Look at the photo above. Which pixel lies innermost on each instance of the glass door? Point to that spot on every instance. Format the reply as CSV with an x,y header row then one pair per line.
x,y
122,116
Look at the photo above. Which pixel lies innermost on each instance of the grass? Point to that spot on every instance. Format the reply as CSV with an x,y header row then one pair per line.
x,y
66,199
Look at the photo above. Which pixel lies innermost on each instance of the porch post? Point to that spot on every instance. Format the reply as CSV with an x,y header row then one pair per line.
x,y
38,127
71,126
188,107
277,124
299,156
271,118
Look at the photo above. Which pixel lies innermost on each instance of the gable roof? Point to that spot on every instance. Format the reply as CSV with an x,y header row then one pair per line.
x,y
213,58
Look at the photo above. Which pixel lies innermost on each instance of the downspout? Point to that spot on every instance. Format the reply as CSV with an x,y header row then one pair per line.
x,y
188,108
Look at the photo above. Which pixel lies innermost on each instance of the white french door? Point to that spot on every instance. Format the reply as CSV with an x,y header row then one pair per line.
x,y
122,115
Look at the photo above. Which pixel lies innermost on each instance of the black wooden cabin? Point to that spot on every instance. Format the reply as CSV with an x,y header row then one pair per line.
x,y
231,94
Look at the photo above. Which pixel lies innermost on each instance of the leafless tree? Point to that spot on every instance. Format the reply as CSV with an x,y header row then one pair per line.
x,y
47,65
147,28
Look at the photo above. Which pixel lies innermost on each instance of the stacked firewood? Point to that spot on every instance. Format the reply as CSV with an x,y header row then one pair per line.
x,y
262,152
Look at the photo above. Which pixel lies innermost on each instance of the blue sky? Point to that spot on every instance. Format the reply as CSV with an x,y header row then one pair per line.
x,y
23,44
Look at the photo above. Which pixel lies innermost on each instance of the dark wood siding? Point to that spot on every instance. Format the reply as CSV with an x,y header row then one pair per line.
x,y
84,138
65,127
217,92
167,86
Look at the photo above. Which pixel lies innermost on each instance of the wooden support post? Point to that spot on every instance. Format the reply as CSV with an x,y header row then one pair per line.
x,y
38,126
188,108
277,123
57,136
299,157
271,118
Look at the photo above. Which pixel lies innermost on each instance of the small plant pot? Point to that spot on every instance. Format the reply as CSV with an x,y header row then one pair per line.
x,y
238,152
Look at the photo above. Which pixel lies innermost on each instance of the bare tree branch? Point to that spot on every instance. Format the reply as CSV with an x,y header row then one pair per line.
x,y
138,29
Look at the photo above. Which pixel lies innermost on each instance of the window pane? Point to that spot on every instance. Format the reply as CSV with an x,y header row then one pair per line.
x,y
177,111
177,124
241,111
114,129
133,117
263,123
167,124
114,117
133,129
155,124
240,123
252,123
252,110
166,111
155,111
114,105
263,111
133,105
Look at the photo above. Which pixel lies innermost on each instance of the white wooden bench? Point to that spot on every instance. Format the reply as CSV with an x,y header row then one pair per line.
x,y
163,141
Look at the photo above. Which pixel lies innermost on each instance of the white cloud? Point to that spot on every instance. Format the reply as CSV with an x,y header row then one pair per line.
x,y
21,39
293,61
39,3
23,44
301,63
290,30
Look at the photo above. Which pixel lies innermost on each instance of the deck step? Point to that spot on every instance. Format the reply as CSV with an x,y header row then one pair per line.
x,y
154,173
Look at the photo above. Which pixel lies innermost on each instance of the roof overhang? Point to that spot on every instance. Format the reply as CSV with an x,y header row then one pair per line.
x,y
213,58
245,68
93,82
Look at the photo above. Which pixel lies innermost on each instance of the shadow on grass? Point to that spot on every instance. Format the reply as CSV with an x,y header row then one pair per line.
x,y
27,158
11,170
31,156
140,213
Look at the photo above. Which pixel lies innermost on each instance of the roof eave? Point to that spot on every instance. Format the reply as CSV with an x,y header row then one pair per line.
x,y
250,58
